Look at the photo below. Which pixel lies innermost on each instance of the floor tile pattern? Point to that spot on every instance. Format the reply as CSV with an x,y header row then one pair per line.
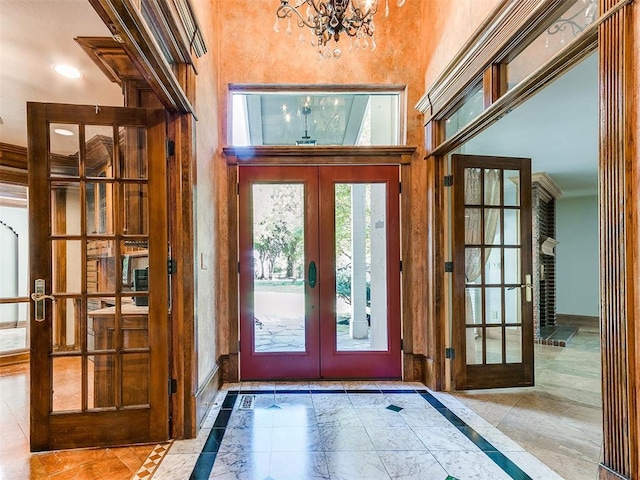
x,y
559,421
151,463
361,431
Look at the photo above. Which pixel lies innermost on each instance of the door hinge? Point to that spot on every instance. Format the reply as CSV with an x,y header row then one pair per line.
x,y
238,267
400,187
171,266
448,180
173,386
449,353
237,189
238,345
400,265
448,267
402,344
171,148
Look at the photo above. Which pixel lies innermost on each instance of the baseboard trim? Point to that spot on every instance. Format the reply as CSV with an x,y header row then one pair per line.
x,y
605,473
423,369
206,394
565,318
14,358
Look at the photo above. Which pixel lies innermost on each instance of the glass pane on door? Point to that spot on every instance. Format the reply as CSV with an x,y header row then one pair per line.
x,y
361,267
493,303
100,279
279,267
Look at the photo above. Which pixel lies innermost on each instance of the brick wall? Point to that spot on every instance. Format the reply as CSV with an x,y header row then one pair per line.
x,y
544,291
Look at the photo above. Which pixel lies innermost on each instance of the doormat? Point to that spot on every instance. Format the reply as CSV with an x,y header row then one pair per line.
x,y
247,402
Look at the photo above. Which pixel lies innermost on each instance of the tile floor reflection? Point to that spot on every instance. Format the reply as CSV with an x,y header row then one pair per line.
x,y
350,431
17,463
337,433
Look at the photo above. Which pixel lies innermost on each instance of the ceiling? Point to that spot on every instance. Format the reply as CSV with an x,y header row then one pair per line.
x,y
35,36
557,128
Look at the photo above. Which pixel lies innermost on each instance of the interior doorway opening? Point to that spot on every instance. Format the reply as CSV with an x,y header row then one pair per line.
x,y
558,129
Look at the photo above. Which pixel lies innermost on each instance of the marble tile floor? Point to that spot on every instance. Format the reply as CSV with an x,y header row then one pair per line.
x,y
346,431
560,419
17,463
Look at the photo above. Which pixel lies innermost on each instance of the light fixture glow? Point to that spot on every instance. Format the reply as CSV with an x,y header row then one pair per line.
x,y
63,132
67,71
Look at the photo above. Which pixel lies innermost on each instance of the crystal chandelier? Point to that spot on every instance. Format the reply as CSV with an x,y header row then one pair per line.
x,y
330,19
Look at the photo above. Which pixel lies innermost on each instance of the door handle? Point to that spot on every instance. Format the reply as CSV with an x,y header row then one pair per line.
x,y
38,296
528,288
312,274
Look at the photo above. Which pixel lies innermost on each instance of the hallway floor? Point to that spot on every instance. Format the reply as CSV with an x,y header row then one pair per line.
x,y
350,430
347,431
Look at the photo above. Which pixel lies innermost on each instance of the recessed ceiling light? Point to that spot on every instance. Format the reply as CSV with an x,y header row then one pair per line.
x,y
67,71
62,131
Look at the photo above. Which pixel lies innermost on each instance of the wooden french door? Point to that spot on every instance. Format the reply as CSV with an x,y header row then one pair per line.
x,y
319,272
98,274
492,271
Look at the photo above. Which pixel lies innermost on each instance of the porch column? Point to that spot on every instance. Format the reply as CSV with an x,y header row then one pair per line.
x,y
359,327
378,295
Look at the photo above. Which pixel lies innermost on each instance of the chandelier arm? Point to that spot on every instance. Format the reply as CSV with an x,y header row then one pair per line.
x,y
285,11
328,20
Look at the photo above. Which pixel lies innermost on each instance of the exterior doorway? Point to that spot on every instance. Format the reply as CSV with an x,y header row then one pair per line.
x,y
319,272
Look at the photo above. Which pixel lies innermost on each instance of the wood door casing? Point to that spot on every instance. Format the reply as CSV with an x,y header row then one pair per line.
x,y
480,234
118,361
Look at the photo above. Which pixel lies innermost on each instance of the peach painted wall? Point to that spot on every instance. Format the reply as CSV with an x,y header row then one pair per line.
x,y
207,128
449,24
415,43
251,52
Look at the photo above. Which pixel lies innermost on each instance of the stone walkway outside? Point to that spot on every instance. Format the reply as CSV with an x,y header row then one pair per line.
x,y
279,325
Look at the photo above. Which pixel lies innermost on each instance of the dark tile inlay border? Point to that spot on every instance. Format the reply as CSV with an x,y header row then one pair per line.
x,y
207,457
489,450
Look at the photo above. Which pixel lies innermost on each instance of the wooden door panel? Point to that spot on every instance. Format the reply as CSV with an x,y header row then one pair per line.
x,y
363,354
275,202
492,256
99,359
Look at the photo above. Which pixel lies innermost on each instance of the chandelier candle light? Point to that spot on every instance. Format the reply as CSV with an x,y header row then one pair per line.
x,y
329,19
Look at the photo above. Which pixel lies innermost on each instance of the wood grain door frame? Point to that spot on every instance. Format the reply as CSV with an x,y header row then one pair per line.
x,y
467,375
98,426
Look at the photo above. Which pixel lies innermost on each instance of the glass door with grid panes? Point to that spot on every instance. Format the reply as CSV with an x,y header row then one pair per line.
x,y
492,268
98,276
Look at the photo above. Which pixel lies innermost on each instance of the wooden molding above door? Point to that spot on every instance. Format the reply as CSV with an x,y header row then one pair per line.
x,y
319,155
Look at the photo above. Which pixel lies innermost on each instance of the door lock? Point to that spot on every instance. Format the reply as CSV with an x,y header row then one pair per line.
x,y
528,288
312,274
38,296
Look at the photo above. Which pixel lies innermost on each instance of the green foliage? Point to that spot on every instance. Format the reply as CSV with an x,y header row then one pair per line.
x,y
278,231
343,285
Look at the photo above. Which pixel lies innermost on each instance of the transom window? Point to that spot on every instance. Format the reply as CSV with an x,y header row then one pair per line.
x,y
306,116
